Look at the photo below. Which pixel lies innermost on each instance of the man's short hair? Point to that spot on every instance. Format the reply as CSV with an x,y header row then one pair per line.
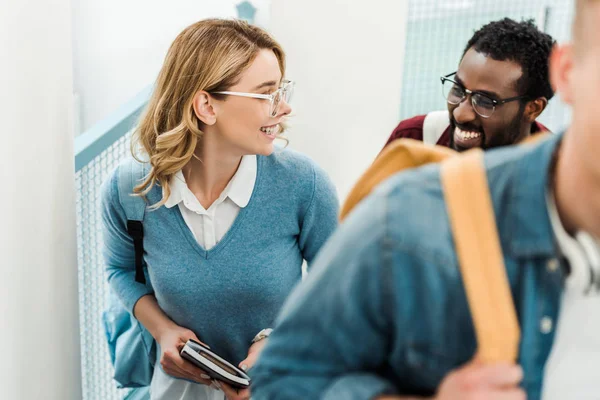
x,y
522,43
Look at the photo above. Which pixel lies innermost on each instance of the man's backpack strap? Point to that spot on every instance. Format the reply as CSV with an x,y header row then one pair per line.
x,y
400,155
435,124
479,253
131,174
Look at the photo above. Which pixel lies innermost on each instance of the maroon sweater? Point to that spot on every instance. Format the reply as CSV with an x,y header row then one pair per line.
x,y
413,129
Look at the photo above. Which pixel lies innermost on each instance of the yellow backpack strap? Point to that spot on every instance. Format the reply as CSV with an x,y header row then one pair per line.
x,y
399,155
480,257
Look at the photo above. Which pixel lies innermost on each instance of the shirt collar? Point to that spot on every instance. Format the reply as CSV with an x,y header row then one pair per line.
x,y
178,189
567,245
528,227
239,189
582,251
241,185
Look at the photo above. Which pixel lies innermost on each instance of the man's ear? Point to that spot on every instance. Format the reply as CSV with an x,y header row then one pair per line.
x,y
534,108
204,108
561,68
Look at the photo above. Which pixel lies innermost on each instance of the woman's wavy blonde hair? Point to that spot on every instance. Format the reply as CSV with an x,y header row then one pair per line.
x,y
209,55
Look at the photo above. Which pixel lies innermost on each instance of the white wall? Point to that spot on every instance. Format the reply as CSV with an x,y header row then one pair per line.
x,y
347,58
119,46
39,329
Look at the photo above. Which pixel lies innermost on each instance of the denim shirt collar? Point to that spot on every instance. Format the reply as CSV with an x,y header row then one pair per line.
x,y
531,233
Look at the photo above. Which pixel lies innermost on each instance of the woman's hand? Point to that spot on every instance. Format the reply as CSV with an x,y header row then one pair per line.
x,y
243,394
232,393
171,338
171,341
253,354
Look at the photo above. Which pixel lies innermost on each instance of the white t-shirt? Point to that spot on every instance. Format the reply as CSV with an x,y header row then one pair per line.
x,y
573,368
209,227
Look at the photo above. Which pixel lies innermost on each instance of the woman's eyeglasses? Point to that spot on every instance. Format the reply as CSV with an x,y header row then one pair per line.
x,y
285,93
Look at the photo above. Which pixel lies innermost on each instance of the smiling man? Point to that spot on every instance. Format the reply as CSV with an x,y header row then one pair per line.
x,y
494,98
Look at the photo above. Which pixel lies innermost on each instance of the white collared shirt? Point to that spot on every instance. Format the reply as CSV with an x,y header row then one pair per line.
x,y
572,370
208,227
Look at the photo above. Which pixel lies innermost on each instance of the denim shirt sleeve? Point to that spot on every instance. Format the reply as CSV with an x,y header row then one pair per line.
x,y
321,217
118,252
331,336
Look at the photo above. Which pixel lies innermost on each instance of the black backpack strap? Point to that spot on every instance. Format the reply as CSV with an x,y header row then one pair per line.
x,y
136,231
131,174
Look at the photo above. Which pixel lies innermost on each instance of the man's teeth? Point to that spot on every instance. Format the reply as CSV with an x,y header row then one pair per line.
x,y
467,135
270,130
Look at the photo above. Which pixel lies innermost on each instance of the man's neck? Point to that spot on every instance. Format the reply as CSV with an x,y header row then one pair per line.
x,y
576,190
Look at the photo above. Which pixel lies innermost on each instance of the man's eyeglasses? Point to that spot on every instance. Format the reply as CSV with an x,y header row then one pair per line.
x,y
285,93
484,105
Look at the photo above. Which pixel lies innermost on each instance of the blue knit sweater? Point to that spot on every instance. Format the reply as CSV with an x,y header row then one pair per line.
x,y
228,294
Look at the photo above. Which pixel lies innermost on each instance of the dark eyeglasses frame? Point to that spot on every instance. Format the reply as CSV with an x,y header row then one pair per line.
x,y
495,102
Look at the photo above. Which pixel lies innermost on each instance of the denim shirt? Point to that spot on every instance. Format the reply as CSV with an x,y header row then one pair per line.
x,y
384,308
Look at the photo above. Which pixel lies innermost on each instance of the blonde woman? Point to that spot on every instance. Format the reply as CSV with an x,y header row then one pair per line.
x,y
230,220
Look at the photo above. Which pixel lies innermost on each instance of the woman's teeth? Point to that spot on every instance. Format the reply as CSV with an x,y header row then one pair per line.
x,y
467,135
271,130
